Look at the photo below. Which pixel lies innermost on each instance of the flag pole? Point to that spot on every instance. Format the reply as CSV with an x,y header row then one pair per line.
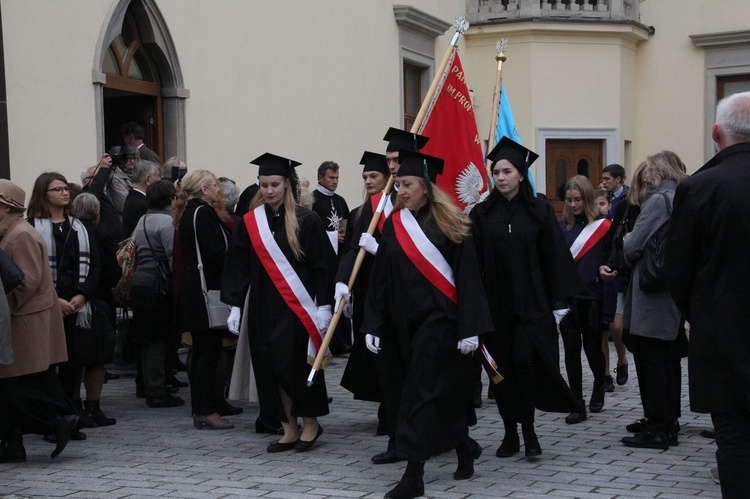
x,y
496,96
461,26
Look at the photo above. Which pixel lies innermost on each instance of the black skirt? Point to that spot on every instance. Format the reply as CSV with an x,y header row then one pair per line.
x,y
94,345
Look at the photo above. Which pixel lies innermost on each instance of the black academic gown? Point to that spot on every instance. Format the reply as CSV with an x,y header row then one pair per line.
x,y
419,329
527,268
278,340
359,376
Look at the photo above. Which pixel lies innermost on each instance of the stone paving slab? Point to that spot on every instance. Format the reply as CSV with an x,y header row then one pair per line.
x,y
158,453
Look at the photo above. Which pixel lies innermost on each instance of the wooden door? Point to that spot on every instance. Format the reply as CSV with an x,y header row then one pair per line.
x,y
567,158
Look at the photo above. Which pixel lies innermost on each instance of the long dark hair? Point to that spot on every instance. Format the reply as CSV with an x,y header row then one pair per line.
x,y
38,204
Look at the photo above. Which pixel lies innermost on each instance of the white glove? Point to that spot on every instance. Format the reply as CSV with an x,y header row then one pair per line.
x,y
369,243
323,317
468,345
233,321
559,314
372,343
342,291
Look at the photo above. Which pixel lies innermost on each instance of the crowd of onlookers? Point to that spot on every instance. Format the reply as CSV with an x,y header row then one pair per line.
x,y
626,262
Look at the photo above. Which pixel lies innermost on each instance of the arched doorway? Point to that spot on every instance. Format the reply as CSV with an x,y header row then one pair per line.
x,y
138,78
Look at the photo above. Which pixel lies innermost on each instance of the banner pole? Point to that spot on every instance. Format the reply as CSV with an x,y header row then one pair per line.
x,y
461,26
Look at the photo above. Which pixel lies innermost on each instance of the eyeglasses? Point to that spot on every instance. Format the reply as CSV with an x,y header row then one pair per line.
x,y
59,189
132,158
210,185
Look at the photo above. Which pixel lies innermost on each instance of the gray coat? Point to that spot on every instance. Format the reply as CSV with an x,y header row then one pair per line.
x,y
161,234
653,315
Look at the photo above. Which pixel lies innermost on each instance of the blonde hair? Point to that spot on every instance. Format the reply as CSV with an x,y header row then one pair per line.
x,y
291,224
583,185
190,188
665,165
637,192
450,221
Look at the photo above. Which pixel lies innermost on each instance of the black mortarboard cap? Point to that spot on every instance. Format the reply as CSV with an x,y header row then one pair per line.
x,y
515,153
401,139
374,162
413,164
271,164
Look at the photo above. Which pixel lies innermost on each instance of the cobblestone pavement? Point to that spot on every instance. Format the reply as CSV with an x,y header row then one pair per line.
x,y
157,452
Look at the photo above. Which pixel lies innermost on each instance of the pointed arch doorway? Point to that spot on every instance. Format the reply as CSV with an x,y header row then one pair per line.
x,y
138,78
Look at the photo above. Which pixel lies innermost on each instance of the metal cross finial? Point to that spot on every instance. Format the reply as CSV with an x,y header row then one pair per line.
x,y
462,25
502,45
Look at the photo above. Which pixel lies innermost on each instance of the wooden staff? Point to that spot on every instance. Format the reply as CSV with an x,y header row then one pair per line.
x,y
461,26
496,96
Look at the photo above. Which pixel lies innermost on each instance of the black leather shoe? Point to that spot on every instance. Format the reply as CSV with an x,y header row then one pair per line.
x,y
279,447
575,417
708,433
12,450
467,454
530,441
168,401
646,440
227,409
596,404
386,457
305,445
637,426
64,425
511,444
609,384
622,374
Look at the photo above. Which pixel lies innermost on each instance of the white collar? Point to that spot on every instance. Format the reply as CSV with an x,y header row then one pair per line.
x,y
323,190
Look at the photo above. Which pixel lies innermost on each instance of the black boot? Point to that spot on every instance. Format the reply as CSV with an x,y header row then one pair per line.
x,y
577,417
511,443
411,484
12,450
95,413
467,453
596,404
63,426
530,442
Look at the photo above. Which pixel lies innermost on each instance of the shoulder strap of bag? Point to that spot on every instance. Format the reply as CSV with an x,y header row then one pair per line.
x,y
198,253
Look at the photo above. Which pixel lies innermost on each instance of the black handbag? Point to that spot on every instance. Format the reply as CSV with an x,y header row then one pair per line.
x,y
163,285
652,263
617,254
10,273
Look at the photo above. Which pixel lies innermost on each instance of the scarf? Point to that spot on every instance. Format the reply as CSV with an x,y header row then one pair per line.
x,y
323,190
44,226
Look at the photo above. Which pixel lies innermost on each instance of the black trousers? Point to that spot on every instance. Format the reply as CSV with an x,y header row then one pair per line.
x,y
582,327
659,372
733,454
205,361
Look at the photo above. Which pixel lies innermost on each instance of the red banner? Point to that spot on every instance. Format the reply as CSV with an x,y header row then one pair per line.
x,y
452,129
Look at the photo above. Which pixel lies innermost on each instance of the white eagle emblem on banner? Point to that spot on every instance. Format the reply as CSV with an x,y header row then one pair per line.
x,y
469,184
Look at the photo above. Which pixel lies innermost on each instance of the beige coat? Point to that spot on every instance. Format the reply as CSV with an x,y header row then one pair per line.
x,y
36,317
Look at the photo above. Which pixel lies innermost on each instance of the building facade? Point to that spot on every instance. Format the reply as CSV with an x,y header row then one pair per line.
x,y
591,82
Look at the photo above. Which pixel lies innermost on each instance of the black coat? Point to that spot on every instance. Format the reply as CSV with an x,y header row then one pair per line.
x,y
278,340
527,268
359,376
213,246
707,272
109,219
427,377
134,208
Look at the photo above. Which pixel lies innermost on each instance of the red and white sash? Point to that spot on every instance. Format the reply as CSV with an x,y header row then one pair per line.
x,y
589,236
284,277
423,254
386,209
